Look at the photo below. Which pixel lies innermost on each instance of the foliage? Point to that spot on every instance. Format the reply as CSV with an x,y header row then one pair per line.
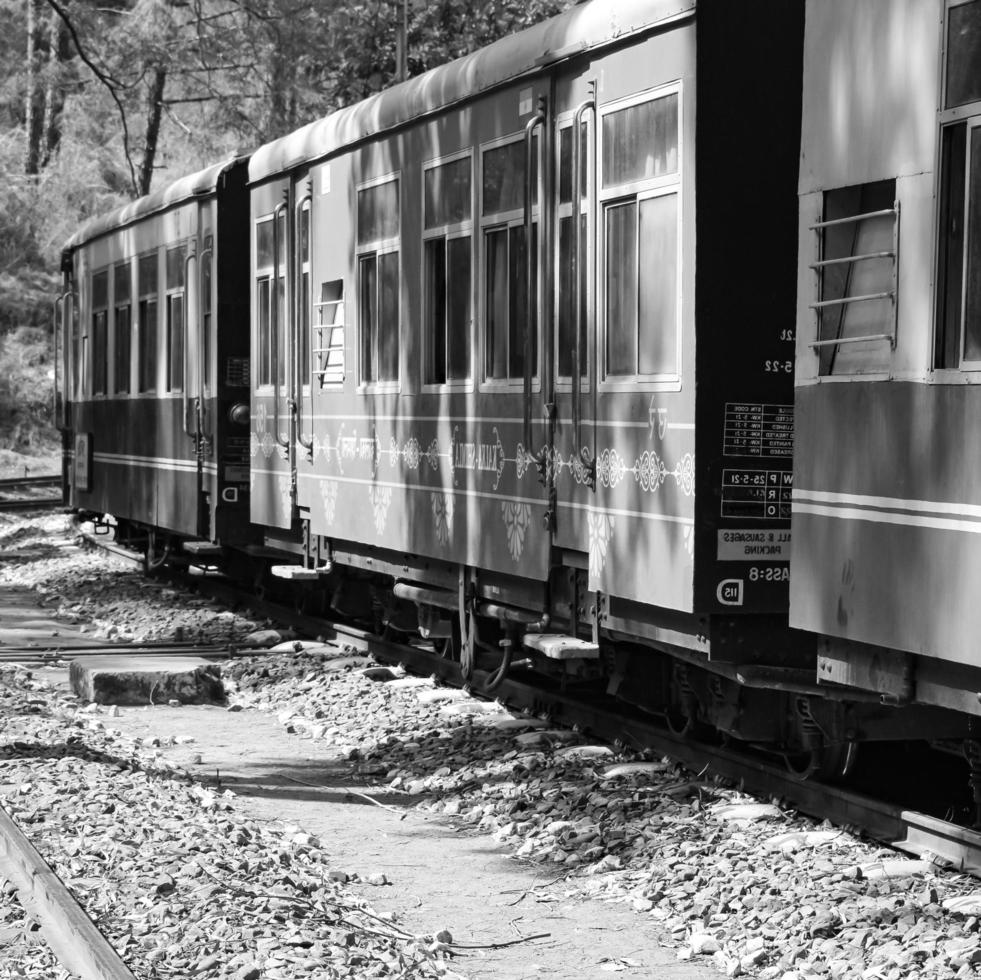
x,y
102,101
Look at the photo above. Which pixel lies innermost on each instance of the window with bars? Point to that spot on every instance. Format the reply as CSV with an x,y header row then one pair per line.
x,y
447,272
857,243
378,242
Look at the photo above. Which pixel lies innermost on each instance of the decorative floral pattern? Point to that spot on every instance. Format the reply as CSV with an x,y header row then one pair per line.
x,y
328,491
411,453
381,499
442,504
517,520
600,533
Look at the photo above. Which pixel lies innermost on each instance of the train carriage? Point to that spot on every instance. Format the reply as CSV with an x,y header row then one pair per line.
x,y
886,557
514,351
152,359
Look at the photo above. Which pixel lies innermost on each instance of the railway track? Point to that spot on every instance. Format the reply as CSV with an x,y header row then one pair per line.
x,y
904,828
29,492
69,933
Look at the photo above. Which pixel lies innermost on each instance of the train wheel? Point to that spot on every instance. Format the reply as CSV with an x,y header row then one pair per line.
x,y
827,763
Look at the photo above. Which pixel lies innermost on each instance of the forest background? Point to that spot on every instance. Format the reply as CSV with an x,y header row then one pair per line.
x,y
102,101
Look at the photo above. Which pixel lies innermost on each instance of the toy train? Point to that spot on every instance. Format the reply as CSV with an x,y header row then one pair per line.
x,y
552,351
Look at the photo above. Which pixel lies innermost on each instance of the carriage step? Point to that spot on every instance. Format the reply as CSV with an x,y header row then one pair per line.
x,y
296,573
202,548
558,646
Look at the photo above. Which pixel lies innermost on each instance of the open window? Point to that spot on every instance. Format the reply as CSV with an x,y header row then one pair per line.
x,y
175,317
100,332
505,283
447,269
565,309
122,318
149,288
378,242
957,343
640,195
270,287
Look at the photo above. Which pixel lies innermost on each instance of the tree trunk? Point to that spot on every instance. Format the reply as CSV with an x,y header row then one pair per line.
x,y
59,52
152,132
30,116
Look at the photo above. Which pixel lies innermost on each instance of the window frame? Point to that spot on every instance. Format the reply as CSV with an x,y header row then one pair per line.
x,y
562,210
304,303
178,293
153,388
965,372
267,273
115,306
506,221
378,247
447,233
634,192
94,346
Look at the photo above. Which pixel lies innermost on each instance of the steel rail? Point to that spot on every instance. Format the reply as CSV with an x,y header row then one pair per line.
x,y
36,503
72,936
51,480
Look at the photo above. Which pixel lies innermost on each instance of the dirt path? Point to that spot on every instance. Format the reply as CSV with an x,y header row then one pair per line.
x,y
442,875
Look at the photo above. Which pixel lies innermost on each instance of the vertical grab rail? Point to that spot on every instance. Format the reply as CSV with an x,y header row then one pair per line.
x,y
58,307
205,253
188,320
582,454
274,320
532,291
306,443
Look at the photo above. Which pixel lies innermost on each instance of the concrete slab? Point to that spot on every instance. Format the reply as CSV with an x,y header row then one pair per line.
x,y
142,679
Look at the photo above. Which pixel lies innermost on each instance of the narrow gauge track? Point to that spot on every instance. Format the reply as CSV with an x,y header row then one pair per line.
x,y
29,492
908,830
70,934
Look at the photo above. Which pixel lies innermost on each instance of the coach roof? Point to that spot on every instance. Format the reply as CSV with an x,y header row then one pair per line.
x,y
199,184
582,28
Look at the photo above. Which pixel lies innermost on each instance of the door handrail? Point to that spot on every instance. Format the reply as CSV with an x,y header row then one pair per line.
x,y
188,319
306,443
58,309
581,453
274,320
532,290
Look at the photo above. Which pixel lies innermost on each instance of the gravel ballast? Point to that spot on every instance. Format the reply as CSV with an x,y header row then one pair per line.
x,y
743,884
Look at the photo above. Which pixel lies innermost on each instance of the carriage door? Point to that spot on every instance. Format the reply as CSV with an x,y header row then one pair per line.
x,y
574,363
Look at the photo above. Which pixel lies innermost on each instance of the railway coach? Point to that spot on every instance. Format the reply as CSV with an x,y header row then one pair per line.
x,y
523,347
152,359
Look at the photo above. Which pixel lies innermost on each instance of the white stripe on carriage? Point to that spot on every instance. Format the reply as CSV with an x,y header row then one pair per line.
x,y
146,462
889,517
485,420
456,492
886,503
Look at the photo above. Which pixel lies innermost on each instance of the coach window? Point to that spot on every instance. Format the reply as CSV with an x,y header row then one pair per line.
x,y
147,281
958,319
264,247
505,260
100,331
122,327
175,318
640,195
856,312
378,280
567,245
447,282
